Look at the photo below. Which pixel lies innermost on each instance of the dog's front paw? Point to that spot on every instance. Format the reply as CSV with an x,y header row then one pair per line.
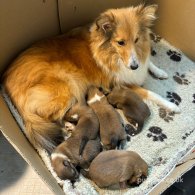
x,y
171,107
159,74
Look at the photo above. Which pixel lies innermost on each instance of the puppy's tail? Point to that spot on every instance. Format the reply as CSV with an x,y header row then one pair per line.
x,y
84,141
43,133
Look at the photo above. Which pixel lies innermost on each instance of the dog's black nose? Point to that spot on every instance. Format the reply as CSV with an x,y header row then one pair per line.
x,y
134,66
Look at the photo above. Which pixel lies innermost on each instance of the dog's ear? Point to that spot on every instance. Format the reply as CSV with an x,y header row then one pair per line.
x,y
105,22
147,14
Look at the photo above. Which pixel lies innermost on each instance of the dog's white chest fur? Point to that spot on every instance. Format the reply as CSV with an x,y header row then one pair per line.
x,y
137,77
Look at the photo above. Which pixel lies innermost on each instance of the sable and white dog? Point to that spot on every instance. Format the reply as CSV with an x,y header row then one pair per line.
x,y
48,78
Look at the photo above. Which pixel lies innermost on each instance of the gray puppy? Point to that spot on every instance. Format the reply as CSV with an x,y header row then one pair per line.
x,y
112,133
117,167
65,158
133,107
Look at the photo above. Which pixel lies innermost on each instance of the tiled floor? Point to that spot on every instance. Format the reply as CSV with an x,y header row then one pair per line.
x,y
16,176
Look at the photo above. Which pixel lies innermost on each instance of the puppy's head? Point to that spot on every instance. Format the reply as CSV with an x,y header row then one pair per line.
x,y
134,108
63,167
120,37
140,173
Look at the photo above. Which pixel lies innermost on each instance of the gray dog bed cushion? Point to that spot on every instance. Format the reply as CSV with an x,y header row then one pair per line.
x,y
166,137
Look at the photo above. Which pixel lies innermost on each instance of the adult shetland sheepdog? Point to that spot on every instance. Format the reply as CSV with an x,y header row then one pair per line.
x,y
48,78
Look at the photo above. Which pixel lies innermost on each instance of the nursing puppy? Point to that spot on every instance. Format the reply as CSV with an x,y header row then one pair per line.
x,y
66,158
112,133
117,167
133,107
87,127
49,77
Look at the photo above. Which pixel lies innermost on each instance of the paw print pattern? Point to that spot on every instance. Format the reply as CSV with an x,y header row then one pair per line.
x,y
193,101
180,79
174,55
187,134
156,134
174,98
153,52
167,116
155,38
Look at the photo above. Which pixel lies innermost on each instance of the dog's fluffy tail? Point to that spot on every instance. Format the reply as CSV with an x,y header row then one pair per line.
x,y
43,133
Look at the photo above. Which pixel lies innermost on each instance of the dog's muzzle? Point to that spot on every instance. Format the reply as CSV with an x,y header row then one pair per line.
x,y
134,65
133,62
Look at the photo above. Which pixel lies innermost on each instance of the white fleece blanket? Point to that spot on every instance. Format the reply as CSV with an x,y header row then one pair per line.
x,y
166,137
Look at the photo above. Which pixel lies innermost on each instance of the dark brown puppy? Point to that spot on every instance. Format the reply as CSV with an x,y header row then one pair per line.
x,y
87,127
133,107
118,167
112,133
66,157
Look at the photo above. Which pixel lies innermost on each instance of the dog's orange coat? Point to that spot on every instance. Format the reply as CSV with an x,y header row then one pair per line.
x,y
48,78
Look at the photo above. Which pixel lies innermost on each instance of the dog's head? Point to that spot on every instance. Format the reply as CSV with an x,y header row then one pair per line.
x,y
120,37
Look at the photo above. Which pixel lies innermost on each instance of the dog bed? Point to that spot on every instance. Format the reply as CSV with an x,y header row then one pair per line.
x,y
166,137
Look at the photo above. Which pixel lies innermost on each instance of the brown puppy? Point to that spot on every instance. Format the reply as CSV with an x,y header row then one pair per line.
x,y
65,158
87,127
112,133
133,107
117,167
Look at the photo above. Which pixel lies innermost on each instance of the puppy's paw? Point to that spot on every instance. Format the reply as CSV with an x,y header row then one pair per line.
x,y
69,127
128,138
122,144
131,129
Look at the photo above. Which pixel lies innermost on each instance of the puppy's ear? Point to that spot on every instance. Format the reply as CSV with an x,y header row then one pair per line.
x,y
105,22
147,14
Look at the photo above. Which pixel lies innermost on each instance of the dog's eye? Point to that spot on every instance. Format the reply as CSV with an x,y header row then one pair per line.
x,y
122,43
136,40
66,163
